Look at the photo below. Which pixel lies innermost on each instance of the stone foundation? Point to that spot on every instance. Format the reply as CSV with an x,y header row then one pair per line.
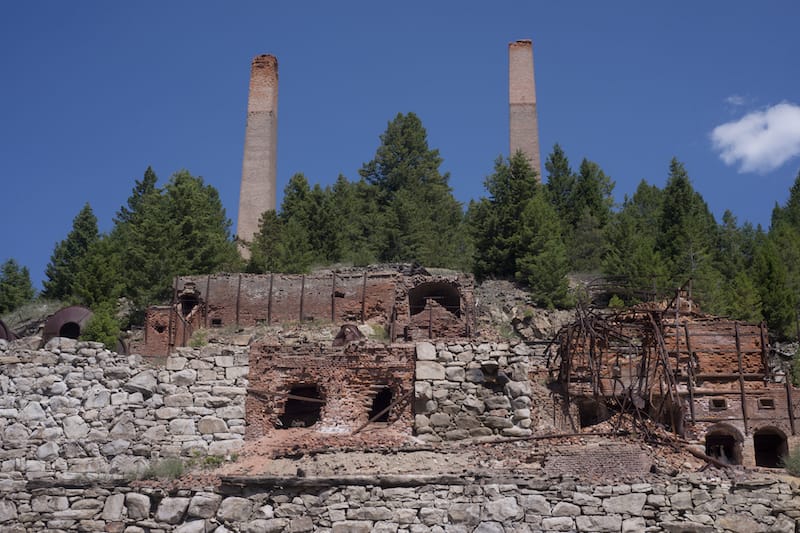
x,y
688,503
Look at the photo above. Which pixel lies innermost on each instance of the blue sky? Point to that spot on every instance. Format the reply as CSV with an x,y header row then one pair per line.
x,y
91,93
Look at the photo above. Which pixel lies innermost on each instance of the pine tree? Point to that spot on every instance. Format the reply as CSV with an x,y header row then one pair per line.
x,y
542,262
99,277
560,182
16,288
777,301
631,236
414,198
67,255
180,229
688,235
495,220
263,248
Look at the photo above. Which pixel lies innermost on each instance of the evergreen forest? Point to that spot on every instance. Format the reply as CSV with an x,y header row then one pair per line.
x,y
535,230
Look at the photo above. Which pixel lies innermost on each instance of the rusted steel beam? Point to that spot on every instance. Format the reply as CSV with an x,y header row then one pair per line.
x,y
364,299
302,294
269,299
207,300
789,402
741,379
333,298
690,371
238,297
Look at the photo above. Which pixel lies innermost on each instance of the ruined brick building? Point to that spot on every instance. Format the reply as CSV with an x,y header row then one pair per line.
x,y
707,378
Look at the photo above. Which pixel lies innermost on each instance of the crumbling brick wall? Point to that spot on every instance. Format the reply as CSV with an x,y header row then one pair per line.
x,y
348,379
376,297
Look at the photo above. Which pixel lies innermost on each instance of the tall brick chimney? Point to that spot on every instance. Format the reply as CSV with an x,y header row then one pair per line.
x,y
259,165
523,122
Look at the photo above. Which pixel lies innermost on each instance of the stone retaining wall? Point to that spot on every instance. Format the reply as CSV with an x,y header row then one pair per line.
x,y
688,503
466,389
75,410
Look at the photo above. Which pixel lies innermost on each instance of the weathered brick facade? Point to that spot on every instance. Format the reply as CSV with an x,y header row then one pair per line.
x,y
407,306
706,377
343,382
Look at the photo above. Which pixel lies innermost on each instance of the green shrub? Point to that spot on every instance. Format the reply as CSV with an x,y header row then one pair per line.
x,y
102,327
791,462
169,468
616,302
199,338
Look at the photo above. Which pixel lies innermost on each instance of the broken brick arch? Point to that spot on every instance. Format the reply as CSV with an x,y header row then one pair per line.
x,y
770,447
443,293
724,442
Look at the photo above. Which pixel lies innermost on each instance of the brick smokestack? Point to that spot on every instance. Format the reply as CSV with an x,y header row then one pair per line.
x,y
523,122
259,165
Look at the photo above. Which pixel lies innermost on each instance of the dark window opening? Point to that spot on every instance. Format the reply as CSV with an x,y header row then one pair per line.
x,y
188,303
591,412
216,322
160,328
380,404
717,404
303,407
724,447
770,448
71,330
766,403
443,294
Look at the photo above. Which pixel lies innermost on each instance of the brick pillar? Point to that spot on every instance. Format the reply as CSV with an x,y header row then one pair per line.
x,y
259,165
523,122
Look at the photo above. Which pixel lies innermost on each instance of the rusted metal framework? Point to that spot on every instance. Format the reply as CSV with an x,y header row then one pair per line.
x,y
651,359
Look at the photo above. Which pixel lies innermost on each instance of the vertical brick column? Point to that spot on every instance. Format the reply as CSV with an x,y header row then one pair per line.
x,y
259,165
523,122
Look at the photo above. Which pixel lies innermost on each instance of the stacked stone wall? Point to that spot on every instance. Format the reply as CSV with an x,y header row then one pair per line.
x,y
468,389
687,503
74,410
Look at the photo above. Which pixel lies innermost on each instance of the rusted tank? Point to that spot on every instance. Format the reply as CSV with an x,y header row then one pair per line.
x,y
67,322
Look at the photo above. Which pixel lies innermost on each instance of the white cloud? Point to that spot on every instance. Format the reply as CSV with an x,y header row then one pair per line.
x,y
760,141
735,100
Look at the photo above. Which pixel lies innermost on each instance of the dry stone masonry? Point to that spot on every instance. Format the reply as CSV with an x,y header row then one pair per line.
x,y
687,504
466,390
74,410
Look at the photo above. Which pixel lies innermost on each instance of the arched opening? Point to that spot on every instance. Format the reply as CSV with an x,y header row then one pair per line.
x,y
770,447
380,405
303,407
724,443
71,330
591,412
435,293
